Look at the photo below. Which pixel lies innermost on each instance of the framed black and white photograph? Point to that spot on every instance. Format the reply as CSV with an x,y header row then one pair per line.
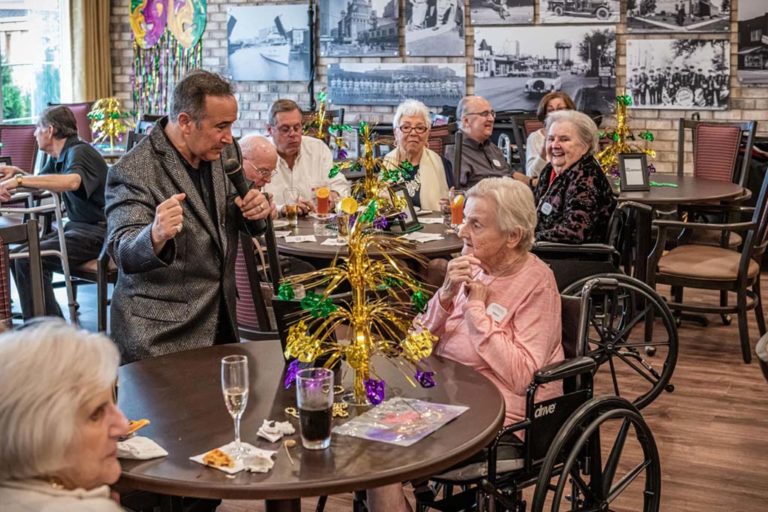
x,y
515,68
579,11
389,84
753,42
679,16
359,28
633,172
678,74
501,12
434,28
268,43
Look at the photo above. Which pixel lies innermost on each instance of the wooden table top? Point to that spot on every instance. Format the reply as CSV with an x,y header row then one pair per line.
x,y
181,395
451,243
688,190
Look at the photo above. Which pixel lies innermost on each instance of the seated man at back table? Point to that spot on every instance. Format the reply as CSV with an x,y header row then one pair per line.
x,y
480,158
303,162
78,172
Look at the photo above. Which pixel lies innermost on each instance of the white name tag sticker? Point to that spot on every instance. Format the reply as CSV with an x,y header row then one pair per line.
x,y
546,208
496,163
496,311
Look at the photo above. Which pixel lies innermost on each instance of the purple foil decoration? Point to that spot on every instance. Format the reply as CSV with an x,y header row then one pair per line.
x,y
342,154
290,373
425,379
651,168
614,171
352,219
380,223
374,389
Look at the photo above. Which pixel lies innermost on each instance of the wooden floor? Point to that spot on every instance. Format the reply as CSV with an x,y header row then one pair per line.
x,y
712,431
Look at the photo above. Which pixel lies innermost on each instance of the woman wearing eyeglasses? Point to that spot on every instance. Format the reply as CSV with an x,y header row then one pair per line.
x,y
411,124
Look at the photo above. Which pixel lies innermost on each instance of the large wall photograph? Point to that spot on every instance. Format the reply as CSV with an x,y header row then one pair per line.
x,y
500,12
365,28
676,16
389,84
678,74
753,42
269,43
579,11
514,69
434,28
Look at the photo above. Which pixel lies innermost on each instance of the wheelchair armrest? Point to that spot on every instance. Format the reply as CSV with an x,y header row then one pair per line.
x,y
560,248
565,369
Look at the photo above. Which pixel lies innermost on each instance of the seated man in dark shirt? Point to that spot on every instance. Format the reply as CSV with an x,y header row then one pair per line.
x,y
480,158
78,172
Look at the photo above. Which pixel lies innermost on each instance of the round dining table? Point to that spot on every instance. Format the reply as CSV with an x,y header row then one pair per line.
x,y
450,243
181,395
672,189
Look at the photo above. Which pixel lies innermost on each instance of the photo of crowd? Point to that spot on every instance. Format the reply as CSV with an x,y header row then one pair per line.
x,y
678,73
389,84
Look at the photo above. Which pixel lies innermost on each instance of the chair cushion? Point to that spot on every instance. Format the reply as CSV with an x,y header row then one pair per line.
x,y
704,262
712,237
478,470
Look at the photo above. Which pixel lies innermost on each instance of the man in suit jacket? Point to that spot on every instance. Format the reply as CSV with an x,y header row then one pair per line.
x,y
173,221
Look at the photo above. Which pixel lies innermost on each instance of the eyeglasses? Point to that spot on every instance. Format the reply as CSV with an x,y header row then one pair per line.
x,y
418,129
484,113
285,130
264,173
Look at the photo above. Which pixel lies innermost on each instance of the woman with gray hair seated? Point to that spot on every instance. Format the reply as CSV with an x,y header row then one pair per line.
x,y
58,418
498,309
573,197
412,123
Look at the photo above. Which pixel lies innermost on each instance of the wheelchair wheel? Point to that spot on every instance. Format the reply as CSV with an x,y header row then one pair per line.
x,y
604,458
632,333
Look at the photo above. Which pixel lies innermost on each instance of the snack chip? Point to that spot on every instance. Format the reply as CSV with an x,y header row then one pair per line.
x,y
218,459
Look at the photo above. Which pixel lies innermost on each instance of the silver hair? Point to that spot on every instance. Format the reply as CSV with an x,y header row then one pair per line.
x,y
411,107
586,129
460,108
48,371
514,205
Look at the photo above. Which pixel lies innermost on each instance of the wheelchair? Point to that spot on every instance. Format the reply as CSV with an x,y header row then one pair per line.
x,y
581,452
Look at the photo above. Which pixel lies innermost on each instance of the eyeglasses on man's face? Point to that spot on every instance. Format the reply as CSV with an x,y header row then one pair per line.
x,y
287,129
420,129
484,113
264,173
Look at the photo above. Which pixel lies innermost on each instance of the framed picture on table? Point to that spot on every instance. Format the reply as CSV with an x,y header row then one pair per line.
x,y
407,221
5,161
633,172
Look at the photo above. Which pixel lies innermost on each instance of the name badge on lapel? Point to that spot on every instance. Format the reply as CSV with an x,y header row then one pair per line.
x,y
496,163
546,208
496,311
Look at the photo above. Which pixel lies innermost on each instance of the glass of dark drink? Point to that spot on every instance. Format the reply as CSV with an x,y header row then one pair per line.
x,y
314,396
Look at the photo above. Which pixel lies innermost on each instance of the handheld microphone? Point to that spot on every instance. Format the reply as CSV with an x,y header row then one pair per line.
x,y
234,172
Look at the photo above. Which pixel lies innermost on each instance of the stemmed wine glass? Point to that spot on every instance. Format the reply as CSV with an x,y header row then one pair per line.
x,y
234,385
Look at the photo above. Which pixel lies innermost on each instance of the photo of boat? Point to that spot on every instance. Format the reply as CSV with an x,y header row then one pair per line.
x,y
277,48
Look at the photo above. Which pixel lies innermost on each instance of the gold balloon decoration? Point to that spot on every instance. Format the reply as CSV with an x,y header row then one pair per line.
x,y
108,121
622,139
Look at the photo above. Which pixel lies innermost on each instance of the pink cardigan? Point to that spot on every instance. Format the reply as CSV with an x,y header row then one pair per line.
x,y
507,350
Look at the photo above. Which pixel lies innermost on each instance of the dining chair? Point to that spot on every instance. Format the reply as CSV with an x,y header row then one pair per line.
x,y
19,143
522,126
761,349
102,272
253,305
80,110
693,265
134,138
147,122
22,234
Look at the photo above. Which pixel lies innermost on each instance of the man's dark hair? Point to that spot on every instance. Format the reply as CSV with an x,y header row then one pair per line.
x,y
62,119
189,94
279,107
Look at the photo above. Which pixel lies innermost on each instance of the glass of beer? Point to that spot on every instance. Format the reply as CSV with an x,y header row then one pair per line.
x,y
456,198
314,396
291,197
234,386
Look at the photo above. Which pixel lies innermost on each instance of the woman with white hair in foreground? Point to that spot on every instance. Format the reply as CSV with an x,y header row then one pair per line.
x,y
58,418
498,310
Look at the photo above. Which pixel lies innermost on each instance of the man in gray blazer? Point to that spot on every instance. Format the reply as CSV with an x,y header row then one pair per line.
x,y
172,226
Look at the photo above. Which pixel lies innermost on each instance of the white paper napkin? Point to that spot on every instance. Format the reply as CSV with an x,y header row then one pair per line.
x,y
422,237
257,460
431,220
139,448
273,431
334,242
278,234
301,238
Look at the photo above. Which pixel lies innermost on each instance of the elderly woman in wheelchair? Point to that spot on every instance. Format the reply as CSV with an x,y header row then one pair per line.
x,y
498,309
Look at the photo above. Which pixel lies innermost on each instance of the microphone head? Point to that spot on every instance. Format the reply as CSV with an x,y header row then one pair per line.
x,y
231,165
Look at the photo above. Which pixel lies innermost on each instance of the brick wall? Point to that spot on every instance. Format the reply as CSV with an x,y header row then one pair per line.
x,y
255,97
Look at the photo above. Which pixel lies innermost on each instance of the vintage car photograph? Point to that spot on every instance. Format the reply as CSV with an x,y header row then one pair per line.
x,y
514,69
753,42
579,11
